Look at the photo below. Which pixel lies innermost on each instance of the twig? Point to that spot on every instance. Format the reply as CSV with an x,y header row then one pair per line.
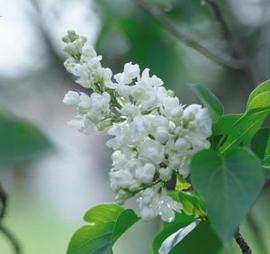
x,y
3,199
233,42
242,243
12,239
226,31
57,60
6,232
218,58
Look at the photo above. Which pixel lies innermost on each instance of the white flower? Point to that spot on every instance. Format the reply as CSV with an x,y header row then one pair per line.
x,y
123,178
120,133
118,158
153,136
121,196
130,110
174,160
146,173
152,203
100,102
166,207
171,108
89,53
184,165
148,91
138,129
131,71
199,120
152,151
71,98
74,44
191,111
165,174
85,102
107,78
182,144
83,124
159,128
150,81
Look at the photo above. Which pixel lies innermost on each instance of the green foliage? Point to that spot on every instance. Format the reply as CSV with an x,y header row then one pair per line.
x,y
262,88
209,100
181,184
261,100
193,242
229,184
238,129
225,123
244,128
193,204
260,145
107,222
20,141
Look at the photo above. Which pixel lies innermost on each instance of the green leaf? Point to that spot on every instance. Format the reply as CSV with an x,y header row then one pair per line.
x,y
263,87
209,100
192,204
181,184
21,141
107,222
260,143
244,129
193,242
229,184
261,100
225,123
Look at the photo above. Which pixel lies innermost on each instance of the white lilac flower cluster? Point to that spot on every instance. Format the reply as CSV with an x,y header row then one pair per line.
x,y
153,136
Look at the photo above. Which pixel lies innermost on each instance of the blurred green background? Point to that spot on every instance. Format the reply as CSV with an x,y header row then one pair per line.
x,y
52,173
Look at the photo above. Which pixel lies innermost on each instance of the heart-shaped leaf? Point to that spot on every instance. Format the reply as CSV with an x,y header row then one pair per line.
x,y
107,222
229,184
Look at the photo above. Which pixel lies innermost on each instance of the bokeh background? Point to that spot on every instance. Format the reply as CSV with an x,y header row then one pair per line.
x,y
53,174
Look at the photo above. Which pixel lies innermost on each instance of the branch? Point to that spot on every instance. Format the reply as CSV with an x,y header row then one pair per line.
x,y
227,34
45,36
12,239
167,23
3,199
242,243
233,42
9,235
